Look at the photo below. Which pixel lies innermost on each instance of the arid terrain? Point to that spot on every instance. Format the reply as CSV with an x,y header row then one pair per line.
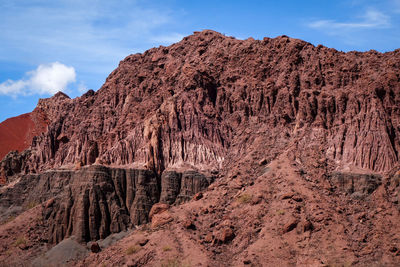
x,y
213,151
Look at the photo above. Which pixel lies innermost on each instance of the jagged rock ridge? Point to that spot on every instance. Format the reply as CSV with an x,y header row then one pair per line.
x,y
189,103
17,134
167,119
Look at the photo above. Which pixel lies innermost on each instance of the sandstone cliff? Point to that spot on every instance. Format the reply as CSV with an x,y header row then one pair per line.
x,y
190,102
17,134
265,116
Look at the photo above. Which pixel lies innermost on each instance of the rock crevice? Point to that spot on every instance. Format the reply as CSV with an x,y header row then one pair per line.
x,y
97,201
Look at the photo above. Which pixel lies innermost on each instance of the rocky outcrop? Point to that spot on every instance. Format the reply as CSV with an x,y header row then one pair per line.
x,y
199,101
96,201
13,163
181,187
18,133
355,184
305,141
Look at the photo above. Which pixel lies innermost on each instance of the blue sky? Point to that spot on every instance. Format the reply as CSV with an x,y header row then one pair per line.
x,y
72,45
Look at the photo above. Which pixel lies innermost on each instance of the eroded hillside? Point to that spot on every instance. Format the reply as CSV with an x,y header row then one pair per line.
x,y
302,142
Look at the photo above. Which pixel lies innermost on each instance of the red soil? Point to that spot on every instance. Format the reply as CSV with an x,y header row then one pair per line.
x,y
17,133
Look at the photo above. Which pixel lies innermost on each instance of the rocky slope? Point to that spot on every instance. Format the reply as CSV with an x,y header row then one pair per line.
x,y
303,140
17,134
187,103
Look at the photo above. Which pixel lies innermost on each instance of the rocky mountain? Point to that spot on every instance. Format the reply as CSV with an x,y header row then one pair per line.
x,y
212,152
16,134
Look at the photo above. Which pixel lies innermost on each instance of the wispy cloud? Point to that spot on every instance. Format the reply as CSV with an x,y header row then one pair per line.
x,y
168,39
46,79
396,4
82,88
93,36
370,20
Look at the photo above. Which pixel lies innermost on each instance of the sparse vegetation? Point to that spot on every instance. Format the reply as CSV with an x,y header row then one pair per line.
x,y
244,198
20,241
280,212
132,250
174,263
396,179
31,205
166,248
9,219
346,264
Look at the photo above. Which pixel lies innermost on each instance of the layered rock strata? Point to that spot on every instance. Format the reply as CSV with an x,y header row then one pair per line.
x,y
190,102
213,104
96,201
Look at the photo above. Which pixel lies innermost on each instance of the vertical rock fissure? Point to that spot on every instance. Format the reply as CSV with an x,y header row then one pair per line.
x,y
100,201
392,137
86,206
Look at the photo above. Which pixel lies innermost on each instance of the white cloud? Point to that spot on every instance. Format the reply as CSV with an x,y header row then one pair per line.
x,y
371,19
93,35
46,79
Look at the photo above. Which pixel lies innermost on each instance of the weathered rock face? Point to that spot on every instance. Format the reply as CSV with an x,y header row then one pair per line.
x,y
17,133
199,102
14,163
181,187
96,201
325,122
99,202
356,184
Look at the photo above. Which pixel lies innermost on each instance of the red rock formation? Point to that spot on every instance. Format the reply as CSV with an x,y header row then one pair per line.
x,y
17,133
212,104
192,102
